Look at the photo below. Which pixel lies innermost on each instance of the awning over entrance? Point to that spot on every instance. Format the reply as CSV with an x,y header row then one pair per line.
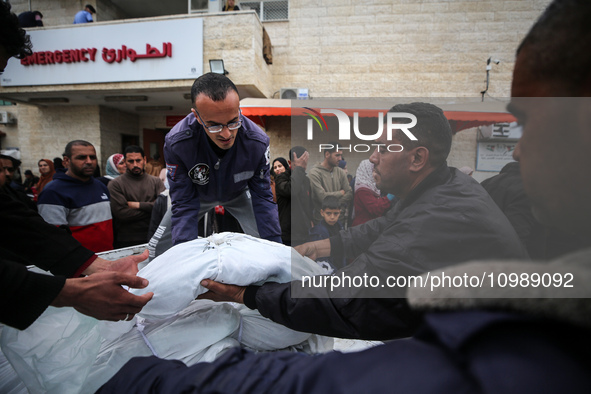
x,y
265,107
461,116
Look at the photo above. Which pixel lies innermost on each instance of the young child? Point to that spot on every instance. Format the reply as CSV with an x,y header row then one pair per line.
x,y
328,227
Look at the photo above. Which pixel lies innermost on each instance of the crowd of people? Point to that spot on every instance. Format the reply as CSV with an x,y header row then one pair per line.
x,y
101,212
417,216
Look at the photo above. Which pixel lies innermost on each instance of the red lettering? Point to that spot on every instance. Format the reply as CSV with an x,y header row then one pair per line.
x,y
92,53
76,56
109,55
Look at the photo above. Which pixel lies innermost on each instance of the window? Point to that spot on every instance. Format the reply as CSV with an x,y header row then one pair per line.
x,y
269,10
196,6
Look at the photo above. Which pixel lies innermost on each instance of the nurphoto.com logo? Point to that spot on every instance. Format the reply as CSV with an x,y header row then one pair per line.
x,y
344,132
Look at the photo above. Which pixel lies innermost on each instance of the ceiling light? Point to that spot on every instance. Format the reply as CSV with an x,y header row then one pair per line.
x,y
125,98
44,100
154,108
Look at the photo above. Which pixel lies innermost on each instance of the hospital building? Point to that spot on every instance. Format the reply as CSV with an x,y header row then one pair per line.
x,y
126,78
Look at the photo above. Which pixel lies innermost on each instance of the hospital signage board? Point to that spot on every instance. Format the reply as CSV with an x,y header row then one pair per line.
x,y
119,52
494,155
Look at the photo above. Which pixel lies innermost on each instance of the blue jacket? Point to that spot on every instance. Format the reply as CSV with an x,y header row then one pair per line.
x,y
322,231
195,174
454,352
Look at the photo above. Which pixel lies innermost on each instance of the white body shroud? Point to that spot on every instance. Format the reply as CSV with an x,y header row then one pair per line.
x,y
67,352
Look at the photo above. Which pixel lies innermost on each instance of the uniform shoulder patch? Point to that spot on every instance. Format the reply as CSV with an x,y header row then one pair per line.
x,y
171,170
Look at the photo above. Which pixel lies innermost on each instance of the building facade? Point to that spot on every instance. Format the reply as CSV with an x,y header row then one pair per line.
x,y
319,48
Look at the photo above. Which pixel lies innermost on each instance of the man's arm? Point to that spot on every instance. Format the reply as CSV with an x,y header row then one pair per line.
x,y
24,295
357,240
340,312
315,249
184,197
148,206
28,239
318,190
348,244
298,180
120,207
348,193
102,296
283,185
52,209
242,371
265,209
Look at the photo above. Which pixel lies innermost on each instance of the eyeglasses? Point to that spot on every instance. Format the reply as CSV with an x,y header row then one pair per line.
x,y
219,127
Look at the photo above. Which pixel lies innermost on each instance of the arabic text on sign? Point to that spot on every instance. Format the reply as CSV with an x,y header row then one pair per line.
x,y
118,55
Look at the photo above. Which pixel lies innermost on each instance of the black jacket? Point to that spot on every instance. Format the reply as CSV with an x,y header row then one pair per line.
x,y
26,239
447,219
541,242
295,205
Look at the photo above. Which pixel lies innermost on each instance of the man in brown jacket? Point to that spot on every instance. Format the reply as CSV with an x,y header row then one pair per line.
x,y
132,199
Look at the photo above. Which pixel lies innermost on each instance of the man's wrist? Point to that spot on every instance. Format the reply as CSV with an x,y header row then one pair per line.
x,y
66,295
85,269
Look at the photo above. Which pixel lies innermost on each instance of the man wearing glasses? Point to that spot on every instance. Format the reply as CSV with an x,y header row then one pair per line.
x,y
217,156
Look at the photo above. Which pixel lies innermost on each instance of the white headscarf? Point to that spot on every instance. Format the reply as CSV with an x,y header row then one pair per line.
x,y
112,162
364,177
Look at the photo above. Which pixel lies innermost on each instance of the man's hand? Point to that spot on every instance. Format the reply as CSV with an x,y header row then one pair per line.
x,y
301,161
133,204
220,292
314,249
102,297
125,264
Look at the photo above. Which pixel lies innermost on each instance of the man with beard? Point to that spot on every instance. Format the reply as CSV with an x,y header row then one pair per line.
x,y
77,200
132,199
